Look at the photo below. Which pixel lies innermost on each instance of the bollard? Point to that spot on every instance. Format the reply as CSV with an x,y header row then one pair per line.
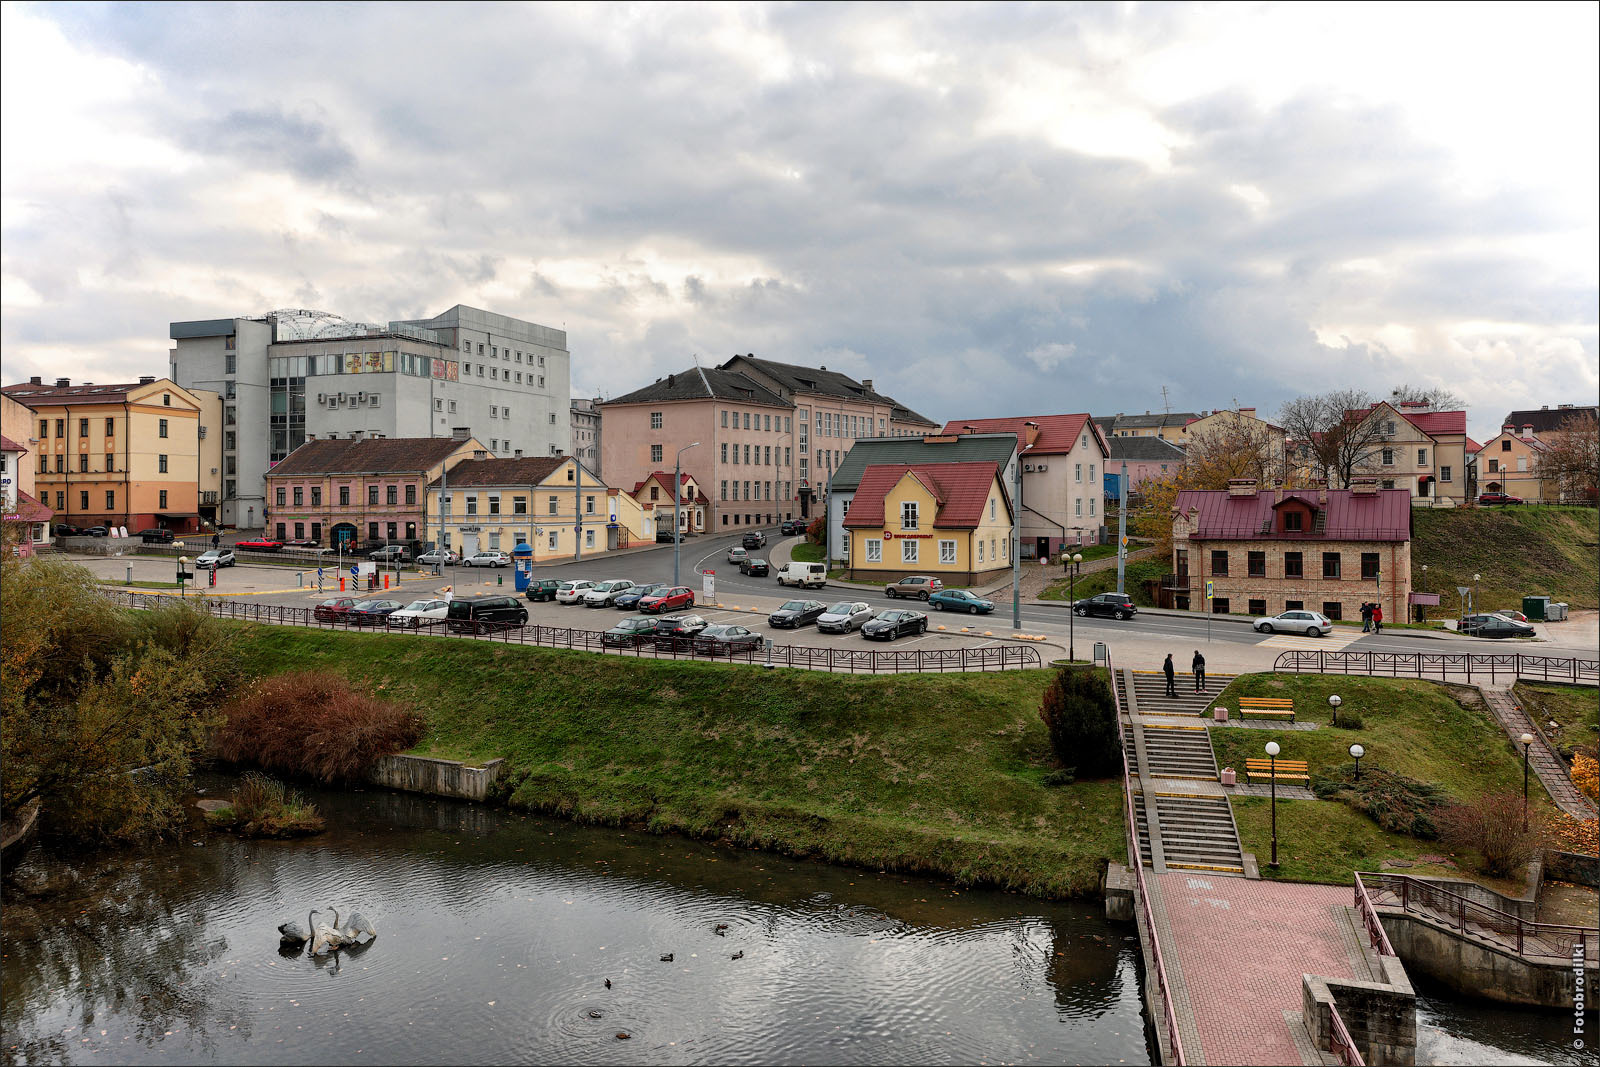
x,y
299,578
386,581
341,583
499,579
130,574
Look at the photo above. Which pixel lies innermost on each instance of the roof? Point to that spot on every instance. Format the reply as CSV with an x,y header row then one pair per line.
x,y
1432,423
700,383
991,447
8,445
1384,515
1515,435
901,413
824,382
960,488
1134,449
30,394
29,510
518,471
372,455
666,483
1547,419
1147,420
1473,446
1058,434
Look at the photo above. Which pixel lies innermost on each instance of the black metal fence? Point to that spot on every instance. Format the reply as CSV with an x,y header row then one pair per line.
x,y
1579,670
997,656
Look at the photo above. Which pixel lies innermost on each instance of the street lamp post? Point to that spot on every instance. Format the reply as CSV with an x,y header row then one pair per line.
x,y
1356,752
183,565
1272,754
1333,702
1476,578
677,504
1072,598
1527,742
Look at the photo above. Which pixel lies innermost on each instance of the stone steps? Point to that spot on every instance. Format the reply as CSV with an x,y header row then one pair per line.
x,y
1179,752
1151,690
1198,832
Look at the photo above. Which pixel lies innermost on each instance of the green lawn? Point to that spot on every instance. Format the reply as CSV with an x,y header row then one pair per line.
x,y
1136,573
941,774
1517,550
806,552
1574,709
118,583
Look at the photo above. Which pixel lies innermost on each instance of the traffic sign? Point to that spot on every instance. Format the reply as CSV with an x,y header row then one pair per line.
x,y
1211,590
355,570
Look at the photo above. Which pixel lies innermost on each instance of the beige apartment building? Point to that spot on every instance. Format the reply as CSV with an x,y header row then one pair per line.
x,y
1424,452
1242,426
1509,463
1169,426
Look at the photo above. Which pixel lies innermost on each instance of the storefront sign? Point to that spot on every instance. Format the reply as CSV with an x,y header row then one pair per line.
x,y
889,535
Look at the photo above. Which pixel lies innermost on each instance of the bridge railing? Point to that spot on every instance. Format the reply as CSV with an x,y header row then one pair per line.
x,y
1580,670
1340,1043
1473,919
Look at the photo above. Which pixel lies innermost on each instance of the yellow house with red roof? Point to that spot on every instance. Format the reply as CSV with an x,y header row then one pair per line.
x,y
948,520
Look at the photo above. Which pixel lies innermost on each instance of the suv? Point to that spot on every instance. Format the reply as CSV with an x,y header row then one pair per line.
x,y
754,539
1499,498
480,613
156,537
542,589
918,586
793,526
1116,605
390,554
736,554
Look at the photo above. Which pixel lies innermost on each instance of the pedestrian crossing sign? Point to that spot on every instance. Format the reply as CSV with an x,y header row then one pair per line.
x,y
1211,590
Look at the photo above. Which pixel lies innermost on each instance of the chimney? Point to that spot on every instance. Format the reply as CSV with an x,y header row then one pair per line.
x,y
1032,430
966,429
516,453
1546,407
146,379
1527,431
672,379
1322,497
480,453
1509,428
35,380
1241,487
866,383
62,383
1562,407
1363,486
311,437
460,433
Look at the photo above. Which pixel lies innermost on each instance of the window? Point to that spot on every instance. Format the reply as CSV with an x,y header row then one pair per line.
x,y
1294,605
161,427
1388,483
1505,446
111,427
1422,457
411,494
1219,605
390,531
980,552
655,420
724,495
874,550
494,540
316,496
1258,607
1294,521
747,452
299,496
299,530
161,463
1077,472
494,504
1388,457
83,462
1219,562
655,453
747,420
555,539
280,496
83,427
724,422
553,505
1494,466
111,499
992,505
908,515
519,505
908,551
1256,567
61,427
230,363
947,552
724,448
1522,463
472,503
1330,565
588,505
372,494
44,428
1333,609
344,496
1294,565
1369,565
1388,427
1444,473
60,459
83,499
1077,506
588,539
161,499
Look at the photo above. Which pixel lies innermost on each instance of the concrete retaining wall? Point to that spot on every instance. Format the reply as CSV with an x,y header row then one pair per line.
x,y
1476,969
1524,907
1381,1017
437,777
1570,867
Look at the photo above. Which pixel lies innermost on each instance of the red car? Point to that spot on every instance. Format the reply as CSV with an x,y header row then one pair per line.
x,y
679,596
1498,498
261,545
334,610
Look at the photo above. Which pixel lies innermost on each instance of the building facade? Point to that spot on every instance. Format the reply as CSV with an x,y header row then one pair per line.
x,y
654,494
585,446
293,375
1424,452
20,507
352,493
1509,463
1147,458
948,520
116,455
1169,426
1266,552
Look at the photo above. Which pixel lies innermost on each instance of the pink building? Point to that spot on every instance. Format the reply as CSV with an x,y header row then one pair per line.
x,y
1147,458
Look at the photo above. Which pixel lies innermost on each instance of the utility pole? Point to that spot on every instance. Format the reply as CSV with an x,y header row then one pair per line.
x,y
577,510
1122,527
1016,543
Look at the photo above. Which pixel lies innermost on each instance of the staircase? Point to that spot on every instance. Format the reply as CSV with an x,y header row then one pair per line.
x,y
1198,831
1173,751
1142,829
1151,687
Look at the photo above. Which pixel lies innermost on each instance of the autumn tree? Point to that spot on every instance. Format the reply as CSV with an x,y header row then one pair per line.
x,y
1335,432
1571,457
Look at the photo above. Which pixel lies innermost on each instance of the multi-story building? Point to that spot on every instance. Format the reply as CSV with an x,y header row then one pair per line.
x,y
1424,452
654,494
1063,462
117,455
343,491
1266,552
1548,420
586,433
20,507
949,520
1509,463
1169,426
1147,458
291,375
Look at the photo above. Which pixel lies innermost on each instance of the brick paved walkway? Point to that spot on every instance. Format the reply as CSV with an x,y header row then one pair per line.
x,y
1549,767
1236,951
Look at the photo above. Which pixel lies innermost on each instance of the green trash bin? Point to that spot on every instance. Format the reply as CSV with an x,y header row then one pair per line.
x,y
1534,607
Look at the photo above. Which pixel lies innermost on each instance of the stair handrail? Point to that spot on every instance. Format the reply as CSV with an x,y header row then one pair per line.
x,y
1421,896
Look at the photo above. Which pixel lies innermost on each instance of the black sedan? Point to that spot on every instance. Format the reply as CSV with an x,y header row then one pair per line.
x,y
891,624
1112,605
796,613
372,612
629,600
722,638
756,568
629,632
1496,626
793,526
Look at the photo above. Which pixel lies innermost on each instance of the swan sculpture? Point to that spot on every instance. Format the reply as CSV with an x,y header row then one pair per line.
x,y
292,933
357,925
326,938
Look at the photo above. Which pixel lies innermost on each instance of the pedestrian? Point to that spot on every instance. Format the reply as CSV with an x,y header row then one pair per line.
x,y
1172,676
449,593
1199,668
1366,617
1377,618
216,540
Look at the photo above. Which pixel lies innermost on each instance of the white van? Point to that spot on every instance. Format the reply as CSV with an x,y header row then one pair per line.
x,y
814,575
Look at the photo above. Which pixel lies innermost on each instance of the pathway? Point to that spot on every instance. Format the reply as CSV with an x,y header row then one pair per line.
x,y
1550,768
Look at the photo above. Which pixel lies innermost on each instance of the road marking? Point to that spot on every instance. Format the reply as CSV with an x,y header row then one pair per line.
x,y
1333,642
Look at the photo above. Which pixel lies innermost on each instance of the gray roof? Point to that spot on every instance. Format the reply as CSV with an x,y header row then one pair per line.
x,y
699,383
1142,448
1146,421
952,448
1547,419
820,381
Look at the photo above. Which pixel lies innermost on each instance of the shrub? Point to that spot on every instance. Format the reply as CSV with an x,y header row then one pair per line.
x,y
1398,804
817,531
1492,826
314,723
1064,776
1081,716
1586,775
263,807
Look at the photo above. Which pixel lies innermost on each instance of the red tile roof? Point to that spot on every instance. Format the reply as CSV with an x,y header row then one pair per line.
x,y
1381,516
961,490
1057,433
8,445
29,510
1432,423
666,483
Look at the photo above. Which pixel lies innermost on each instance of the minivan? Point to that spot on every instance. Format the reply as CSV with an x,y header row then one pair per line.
x,y
480,613
814,575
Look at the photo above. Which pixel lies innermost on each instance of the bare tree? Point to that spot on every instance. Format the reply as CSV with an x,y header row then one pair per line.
x,y
1236,446
1572,457
1436,398
1336,433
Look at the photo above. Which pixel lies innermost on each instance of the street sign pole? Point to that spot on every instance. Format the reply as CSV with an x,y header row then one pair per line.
x,y
1122,527
1211,594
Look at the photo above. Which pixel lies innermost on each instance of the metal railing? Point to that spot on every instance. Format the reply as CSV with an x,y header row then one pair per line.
x,y
1369,915
989,657
1472,919
1576,669
1340,1043
1169,1014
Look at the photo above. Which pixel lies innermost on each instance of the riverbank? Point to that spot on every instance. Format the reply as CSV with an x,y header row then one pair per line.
x,y
931,774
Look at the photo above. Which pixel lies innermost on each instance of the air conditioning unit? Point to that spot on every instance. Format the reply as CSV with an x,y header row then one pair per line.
x,y
1027,467
361,398
1041,468
341,398
322,398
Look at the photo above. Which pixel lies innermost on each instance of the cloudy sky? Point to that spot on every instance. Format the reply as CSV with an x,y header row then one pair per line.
x,y
987,209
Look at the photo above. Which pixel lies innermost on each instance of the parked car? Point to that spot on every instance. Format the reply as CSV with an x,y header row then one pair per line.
x,y
843,617
1489,499
66,529
791,527
542,589
156,537
1111,605
919,586
98,531
960,600
604,594
489,559
727,639
480,613
333,610
300,542
796,613
258,544
669,599
664,537
891,624
572,592
805,575
1500,626
755,568
390,554
372,612
420,613
629,632
753,539
215,557
629,600
737,554
1310,623
1513,614
440,556
678,631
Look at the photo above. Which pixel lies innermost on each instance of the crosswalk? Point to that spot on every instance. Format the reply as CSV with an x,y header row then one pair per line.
x,y
1342,637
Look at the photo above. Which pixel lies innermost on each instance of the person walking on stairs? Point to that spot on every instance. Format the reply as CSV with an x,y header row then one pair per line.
x,y
1199,668
1172,676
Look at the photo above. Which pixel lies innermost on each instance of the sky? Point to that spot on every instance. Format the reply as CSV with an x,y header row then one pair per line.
x,y
987,209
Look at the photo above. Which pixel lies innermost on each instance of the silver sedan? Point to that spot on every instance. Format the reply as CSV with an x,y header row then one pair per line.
x,y
843,617
1310,623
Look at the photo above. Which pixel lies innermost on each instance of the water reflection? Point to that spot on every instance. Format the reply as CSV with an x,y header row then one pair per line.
x,y
497,932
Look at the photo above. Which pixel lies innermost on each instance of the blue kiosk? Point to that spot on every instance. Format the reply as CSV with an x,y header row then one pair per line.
x,y
522,566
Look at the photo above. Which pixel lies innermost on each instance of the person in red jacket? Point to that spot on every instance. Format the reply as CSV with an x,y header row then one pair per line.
x,y
1377,618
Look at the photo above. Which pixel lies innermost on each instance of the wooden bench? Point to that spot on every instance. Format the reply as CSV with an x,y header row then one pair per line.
x,y
1291,770
1277,707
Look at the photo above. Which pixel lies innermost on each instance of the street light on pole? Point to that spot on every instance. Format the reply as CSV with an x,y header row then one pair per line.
x,y
1072,598
677,504
1527,741
1272,754
1333,702
1356,752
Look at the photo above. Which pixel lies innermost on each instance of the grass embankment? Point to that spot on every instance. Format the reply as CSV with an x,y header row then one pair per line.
x,y
1136,573
1434,733
1574,709
938,774
1517,550
118,584
806,552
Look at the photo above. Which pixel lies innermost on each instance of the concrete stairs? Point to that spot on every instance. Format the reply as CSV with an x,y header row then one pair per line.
x,y
1142,829
1198,832
1174,751
1151,689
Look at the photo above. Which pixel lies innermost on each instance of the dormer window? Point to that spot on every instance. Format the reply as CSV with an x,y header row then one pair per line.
x,y
1294,522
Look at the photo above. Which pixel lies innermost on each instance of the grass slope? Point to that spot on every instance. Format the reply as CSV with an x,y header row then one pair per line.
x,y
1518,550
1575,710
1135,574
940,774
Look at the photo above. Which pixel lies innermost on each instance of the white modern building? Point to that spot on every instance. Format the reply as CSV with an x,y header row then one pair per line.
x,y
586,434
289,375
